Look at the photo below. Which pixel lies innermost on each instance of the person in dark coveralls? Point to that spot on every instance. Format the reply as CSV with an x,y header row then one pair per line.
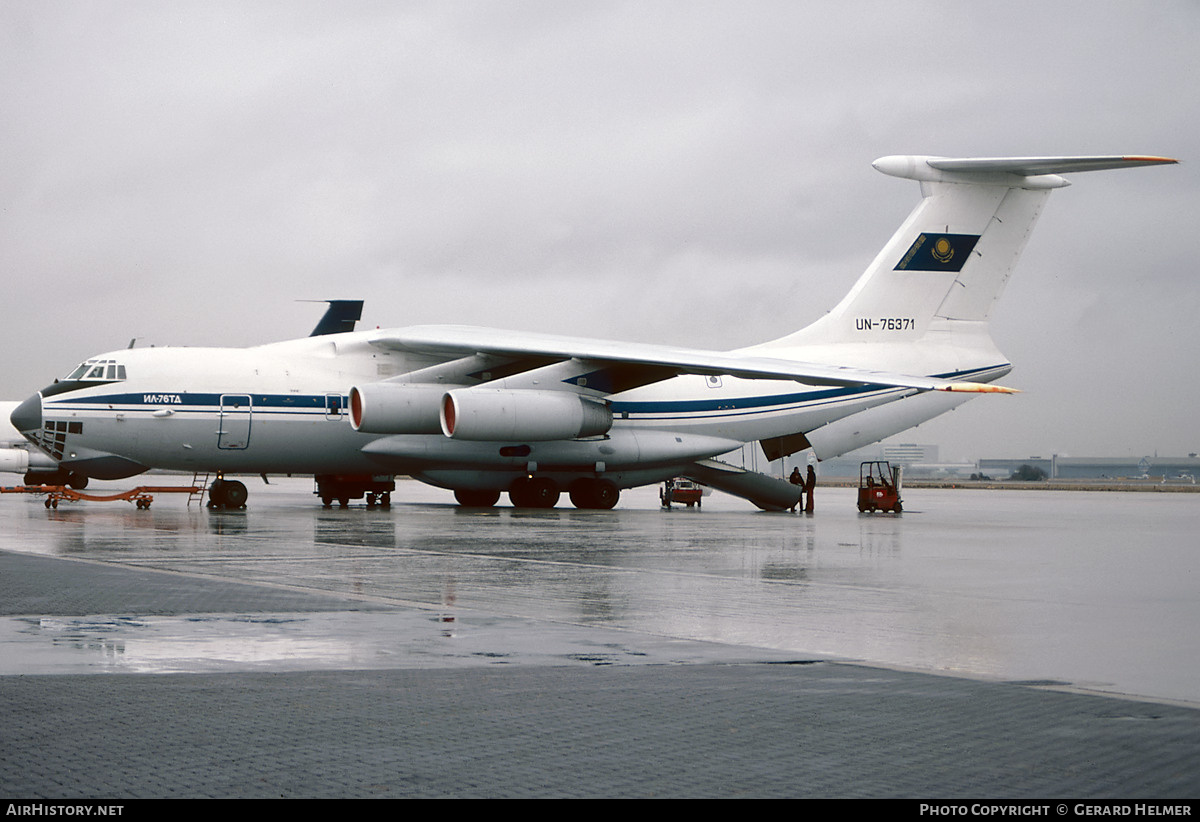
x,y
796,479
809,484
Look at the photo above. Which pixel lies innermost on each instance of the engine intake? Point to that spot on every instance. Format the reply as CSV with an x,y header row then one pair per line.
x,y
485,414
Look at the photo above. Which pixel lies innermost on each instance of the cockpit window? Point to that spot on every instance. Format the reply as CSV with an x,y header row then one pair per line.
x,y
98,371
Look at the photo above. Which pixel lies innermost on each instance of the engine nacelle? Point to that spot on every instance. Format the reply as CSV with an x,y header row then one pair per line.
x,y
14,460
487,414
396,408
20,460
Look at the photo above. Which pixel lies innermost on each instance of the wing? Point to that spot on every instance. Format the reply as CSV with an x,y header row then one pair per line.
x,y
641,364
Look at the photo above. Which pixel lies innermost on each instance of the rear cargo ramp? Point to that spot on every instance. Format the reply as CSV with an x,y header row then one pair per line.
x,y
768,493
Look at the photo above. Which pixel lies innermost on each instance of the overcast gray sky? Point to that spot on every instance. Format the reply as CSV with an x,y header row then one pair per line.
x,y
678,172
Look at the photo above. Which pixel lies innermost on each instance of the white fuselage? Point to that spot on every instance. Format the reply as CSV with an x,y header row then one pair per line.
x,y
282,409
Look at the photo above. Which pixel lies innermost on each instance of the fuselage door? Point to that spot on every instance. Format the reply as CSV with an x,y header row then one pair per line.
x,y
234,430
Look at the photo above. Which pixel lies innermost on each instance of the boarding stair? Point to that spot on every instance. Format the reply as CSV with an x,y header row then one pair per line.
x,y
199,487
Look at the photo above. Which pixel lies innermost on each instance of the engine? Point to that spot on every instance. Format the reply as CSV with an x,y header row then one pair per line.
x,y
20,460
14,460
396,408
485,414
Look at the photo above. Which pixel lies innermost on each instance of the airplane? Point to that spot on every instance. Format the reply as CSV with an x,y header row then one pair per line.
x,y
39,468
482,412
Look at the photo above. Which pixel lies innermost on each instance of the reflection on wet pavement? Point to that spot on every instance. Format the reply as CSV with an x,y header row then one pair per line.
x,y
212,643
1063,586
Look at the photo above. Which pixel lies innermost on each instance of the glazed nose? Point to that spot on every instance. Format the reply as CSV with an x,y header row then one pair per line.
x,y
28,415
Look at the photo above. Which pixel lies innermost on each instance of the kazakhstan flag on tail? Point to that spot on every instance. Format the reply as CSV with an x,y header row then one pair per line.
x,y
938,252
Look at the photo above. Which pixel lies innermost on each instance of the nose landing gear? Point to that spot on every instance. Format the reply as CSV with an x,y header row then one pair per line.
x,y
227,494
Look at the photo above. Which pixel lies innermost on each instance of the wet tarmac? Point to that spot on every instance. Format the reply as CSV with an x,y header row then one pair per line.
x,y
1098,591
1066,591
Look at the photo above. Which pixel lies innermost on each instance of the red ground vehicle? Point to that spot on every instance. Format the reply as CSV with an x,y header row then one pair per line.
x,y
680,490
879,487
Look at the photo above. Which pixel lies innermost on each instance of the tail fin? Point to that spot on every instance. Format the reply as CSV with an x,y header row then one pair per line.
x,y
923,304
339,318
944,269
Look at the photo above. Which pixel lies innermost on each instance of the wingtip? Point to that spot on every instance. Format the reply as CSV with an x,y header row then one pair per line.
x,y
1150,159
980,388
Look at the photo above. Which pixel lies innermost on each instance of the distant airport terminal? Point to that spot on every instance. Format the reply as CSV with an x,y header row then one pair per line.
x,y
922,461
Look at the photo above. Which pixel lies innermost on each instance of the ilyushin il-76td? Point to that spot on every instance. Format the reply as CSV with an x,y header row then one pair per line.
x,y
482,412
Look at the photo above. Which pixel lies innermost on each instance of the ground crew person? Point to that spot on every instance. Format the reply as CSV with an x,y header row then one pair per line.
x,y
809,484
796,479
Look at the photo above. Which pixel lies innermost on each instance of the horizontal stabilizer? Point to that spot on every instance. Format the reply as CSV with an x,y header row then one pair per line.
x,y
1029,166
1024,172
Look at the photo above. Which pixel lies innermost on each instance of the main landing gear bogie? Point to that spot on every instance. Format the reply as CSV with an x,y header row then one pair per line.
x,y
382,499
375,489
57,477
476,498
543,493
534,492
595,494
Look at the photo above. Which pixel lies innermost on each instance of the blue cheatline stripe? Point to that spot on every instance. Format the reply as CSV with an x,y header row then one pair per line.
x,y
739,406
739,403
299,403
316,403
185,398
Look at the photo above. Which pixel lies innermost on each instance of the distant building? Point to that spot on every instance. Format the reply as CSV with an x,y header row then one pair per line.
x,y
908,453
1056,467
922,461
1005,468
917,460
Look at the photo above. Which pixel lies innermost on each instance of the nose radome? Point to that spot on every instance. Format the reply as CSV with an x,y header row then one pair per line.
x,y
28,415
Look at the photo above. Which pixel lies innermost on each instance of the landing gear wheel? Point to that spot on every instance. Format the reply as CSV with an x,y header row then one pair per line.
x,y
227,494
477,498
539,492
595,494
235,494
